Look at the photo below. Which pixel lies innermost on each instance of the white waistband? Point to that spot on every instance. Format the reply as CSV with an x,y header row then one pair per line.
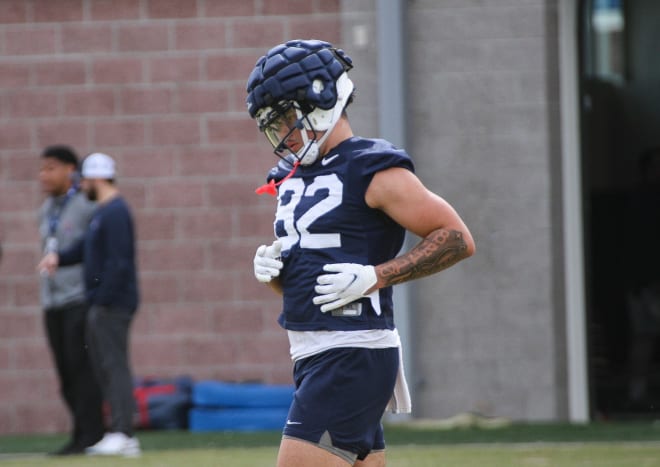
x,y
305,343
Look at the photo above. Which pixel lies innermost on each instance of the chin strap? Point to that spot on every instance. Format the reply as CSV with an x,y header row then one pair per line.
x,y
270,188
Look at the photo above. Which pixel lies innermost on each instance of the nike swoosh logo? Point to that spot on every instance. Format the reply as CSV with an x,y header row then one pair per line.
x,y
289,422
327,160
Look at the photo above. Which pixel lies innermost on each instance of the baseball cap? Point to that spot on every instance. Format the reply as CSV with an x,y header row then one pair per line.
x,y
98,165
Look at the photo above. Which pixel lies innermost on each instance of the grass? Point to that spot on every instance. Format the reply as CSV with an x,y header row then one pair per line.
x,y
560,445
463,455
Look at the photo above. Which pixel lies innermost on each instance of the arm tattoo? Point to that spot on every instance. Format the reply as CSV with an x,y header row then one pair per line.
x,y
437,251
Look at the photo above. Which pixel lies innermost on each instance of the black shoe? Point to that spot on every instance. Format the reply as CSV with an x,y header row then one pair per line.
x,y
69,449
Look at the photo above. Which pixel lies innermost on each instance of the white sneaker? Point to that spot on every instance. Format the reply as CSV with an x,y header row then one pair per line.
x,y
115,444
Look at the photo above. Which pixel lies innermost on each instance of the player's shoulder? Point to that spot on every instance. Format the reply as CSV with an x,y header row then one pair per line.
x,y
367,145
378,154
282,168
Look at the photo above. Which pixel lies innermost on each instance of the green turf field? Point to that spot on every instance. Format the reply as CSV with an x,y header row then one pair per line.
x,y
553,445
479,455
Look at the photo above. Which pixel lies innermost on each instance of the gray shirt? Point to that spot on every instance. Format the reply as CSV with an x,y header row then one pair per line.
x,y
66,286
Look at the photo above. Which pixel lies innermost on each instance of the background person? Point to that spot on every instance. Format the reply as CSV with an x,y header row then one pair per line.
x,y
63,219
344,204
108,254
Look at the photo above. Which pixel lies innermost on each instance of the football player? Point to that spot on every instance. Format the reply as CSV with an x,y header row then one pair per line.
x,y
343,205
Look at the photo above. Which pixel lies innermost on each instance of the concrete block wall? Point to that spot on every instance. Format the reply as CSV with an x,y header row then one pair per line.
x,y
483,116
160,86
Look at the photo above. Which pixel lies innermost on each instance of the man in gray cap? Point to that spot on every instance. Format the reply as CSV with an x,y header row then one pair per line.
x,y
107,252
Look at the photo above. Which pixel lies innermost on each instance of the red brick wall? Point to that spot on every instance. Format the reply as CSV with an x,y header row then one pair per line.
x,y
159,85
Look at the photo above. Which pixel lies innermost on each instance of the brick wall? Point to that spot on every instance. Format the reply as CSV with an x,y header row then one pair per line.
x,y
159,85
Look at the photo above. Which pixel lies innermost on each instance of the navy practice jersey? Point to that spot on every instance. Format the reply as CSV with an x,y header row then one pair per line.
x,y
322,218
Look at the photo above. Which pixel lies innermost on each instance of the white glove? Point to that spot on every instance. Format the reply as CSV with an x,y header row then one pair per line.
x,y
267,264
349,283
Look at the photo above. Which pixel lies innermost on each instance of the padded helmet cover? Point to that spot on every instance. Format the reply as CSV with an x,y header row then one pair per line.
x,y
292,72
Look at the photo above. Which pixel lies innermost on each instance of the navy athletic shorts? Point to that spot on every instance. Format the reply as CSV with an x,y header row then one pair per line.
x,y
340,398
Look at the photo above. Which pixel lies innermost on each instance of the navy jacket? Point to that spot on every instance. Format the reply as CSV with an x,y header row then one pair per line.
x,y
107,252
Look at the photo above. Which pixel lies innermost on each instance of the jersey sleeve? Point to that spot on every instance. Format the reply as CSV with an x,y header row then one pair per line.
x,y
381,156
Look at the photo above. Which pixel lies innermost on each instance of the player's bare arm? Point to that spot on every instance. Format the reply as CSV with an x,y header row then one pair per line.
x,y
446,239
439,250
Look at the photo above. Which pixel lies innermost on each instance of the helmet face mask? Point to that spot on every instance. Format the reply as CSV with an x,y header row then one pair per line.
x,y
275,121
279,124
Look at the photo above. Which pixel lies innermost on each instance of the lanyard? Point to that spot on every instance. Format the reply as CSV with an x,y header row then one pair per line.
x,y
54,216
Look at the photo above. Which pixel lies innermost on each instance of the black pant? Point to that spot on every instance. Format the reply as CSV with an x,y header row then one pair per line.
x,y
107,337
66,335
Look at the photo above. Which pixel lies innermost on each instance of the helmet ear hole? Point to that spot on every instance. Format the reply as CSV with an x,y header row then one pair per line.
x,y
317,86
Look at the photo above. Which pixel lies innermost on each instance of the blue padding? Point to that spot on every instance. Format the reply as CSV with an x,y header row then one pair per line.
x,y
242,395
203,419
